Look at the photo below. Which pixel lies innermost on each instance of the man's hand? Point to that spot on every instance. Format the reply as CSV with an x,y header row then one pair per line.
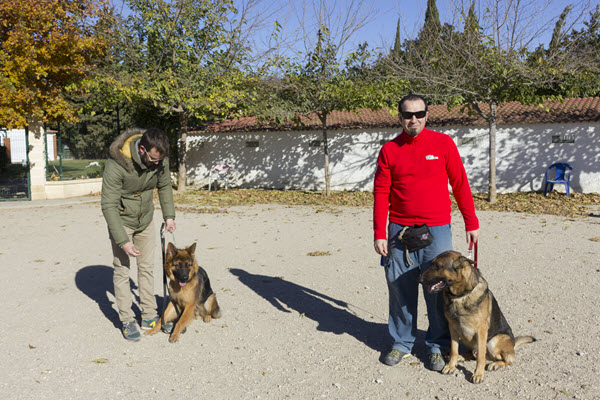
x,y
381,247
130,249
472,236
170,225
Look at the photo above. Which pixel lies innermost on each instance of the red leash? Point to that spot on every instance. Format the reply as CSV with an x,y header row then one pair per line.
x,y
470,254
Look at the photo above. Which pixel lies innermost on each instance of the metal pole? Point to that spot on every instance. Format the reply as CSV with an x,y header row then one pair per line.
x,y
46,151
27,159
60,155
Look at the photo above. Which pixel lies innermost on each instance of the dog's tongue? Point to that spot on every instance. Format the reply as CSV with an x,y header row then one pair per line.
x,y
182,284
437,287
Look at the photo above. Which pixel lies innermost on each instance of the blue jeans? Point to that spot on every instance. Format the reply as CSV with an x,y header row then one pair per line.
x,y
404,291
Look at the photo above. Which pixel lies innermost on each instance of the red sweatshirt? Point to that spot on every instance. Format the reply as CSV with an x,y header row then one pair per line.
x,y
411,182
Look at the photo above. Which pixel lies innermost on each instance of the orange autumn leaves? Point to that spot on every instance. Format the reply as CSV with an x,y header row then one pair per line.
x,y
46,48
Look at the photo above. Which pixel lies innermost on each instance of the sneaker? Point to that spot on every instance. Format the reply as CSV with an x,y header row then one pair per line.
x,y
131,332
436,362
394,357
168,327
149,323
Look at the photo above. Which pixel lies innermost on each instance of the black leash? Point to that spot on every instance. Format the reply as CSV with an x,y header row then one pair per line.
x,y
166,297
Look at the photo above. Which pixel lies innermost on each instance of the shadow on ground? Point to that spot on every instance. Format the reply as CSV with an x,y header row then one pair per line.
x,y
332,315
96,281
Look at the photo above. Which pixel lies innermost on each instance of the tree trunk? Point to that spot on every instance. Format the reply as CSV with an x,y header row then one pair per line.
x,y
181,148
492,135
326,151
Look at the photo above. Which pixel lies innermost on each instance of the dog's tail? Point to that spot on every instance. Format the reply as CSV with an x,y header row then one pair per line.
x,y
519,340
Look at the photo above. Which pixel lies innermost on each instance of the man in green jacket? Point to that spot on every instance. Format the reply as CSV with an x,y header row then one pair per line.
x,y
138,163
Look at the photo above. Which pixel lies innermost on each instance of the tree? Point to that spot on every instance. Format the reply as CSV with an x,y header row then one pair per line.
x,y
325,78
432,19
397,40
319,84
557,34
46,47
584,45
184,57
488,63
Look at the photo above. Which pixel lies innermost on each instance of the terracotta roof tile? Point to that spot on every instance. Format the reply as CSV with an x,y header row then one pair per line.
x,y
514,113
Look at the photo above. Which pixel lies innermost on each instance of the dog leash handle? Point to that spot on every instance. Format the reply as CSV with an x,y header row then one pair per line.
x,y
470,253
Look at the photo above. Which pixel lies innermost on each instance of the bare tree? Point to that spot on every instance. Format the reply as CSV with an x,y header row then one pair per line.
x,y
488,62
325,75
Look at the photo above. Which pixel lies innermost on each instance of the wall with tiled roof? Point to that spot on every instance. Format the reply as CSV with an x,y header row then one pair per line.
x,y
294,159
514,113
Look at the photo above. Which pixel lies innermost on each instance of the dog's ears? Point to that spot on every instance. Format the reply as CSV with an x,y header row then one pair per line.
x,y
461,261
171,251
191,249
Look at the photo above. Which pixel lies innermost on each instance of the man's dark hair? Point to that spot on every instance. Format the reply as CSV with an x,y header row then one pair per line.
x,y
411,97
156,138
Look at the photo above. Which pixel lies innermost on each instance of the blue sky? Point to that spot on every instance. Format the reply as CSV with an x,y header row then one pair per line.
x,y
538,17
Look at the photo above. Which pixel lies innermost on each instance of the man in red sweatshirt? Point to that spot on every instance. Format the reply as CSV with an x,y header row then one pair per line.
x,y
411,184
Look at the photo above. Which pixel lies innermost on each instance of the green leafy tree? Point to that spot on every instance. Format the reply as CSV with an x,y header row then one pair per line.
x,y
583,47
183,58
97,126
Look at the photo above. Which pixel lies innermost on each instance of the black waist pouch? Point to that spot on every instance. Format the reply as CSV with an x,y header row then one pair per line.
x,y
415,237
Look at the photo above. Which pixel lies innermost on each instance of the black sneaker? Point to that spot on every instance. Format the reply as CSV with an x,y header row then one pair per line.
x,y
436,362
131,332
394,357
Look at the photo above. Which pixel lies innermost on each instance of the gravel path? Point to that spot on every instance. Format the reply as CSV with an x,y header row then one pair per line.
x,y
294,326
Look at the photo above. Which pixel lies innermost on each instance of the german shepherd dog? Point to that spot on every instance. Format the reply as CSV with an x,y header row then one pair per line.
x,y
189,290
473,314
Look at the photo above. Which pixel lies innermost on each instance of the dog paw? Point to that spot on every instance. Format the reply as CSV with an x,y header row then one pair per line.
x,y
495,365
208,318
448,370
173,338
477,378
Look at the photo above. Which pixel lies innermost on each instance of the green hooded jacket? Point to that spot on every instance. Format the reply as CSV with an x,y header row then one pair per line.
x,y
128,186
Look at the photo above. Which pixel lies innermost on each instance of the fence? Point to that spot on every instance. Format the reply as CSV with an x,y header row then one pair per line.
x,y
14,165
61,167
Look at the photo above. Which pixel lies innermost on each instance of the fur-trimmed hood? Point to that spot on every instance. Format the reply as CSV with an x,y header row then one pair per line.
x,y
121,148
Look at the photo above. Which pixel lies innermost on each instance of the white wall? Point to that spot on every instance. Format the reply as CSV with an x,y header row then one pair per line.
x,y
285,159
523,153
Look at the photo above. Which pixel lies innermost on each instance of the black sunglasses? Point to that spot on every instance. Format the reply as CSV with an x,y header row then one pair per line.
x,y
409,115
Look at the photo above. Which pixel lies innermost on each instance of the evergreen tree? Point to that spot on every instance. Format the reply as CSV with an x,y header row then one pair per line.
x,y
432,18
557,34
471,23
397,42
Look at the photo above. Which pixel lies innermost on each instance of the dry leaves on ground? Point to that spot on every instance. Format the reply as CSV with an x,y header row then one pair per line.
x,y
577,205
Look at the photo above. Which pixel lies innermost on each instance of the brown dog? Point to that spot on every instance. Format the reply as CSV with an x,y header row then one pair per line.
x,y
473,314
189,290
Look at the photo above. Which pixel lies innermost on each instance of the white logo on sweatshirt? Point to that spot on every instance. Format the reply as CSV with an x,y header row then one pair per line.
x,y
430,157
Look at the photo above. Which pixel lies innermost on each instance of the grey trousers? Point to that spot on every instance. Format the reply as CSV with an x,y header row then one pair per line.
x,y
144,241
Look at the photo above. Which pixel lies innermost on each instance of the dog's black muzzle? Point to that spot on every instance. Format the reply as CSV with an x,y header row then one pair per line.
x,y
182,275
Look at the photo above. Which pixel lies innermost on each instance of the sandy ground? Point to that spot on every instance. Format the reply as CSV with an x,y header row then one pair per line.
x,y
294,326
